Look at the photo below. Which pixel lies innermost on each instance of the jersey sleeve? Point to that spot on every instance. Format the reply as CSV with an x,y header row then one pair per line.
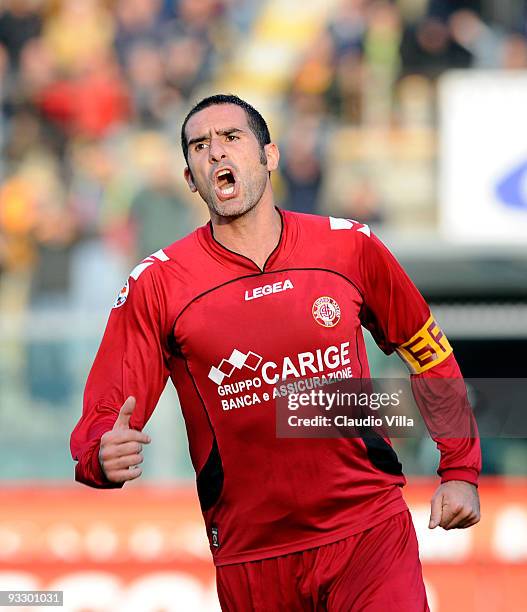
x,y
393,309
131,360
441,397
399,319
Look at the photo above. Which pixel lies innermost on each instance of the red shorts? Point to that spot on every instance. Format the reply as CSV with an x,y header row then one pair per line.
x,y
377,570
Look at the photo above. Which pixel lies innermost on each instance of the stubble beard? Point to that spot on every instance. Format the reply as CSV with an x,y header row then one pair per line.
x,y
252,191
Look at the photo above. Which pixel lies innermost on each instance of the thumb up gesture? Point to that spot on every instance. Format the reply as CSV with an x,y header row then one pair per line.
x,y
120,453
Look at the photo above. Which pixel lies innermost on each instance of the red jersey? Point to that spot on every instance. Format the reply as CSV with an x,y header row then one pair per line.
x,y
226,332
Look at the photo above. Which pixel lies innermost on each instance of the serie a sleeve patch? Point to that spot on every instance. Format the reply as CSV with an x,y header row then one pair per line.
x,y
136,273
425,349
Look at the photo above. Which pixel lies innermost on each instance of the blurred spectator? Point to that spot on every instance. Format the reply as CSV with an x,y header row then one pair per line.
x,y
348,26
315,71
48,367
381,57
30,200
17,220
24,137
514,53
382,39
301,163
4,90
137,22
197,16
480,40
364,203
205,21
158,213
103,183
20,21
90,104
415,102
93,171
146,81
428,49
346,95
37,69
510,15
242,13
78,31
186,64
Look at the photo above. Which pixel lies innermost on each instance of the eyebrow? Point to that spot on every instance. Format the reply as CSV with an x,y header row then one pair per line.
x,y
225,132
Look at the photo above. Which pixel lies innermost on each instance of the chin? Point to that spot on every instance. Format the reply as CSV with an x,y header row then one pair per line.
x,y
231,209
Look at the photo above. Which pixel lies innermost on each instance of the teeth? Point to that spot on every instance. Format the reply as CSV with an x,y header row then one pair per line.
x,y
223,173
228,191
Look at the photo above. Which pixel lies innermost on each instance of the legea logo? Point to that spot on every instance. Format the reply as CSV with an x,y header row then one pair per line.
x,y
512,188
259,292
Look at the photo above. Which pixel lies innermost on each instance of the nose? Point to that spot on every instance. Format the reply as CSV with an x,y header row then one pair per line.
x,y
216,150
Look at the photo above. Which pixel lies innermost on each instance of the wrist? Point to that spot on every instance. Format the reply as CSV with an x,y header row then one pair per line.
x,y
469,475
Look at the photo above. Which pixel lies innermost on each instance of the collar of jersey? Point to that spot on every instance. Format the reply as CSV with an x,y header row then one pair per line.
x,y
237,261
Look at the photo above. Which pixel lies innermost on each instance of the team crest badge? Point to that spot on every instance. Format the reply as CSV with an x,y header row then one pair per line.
x,y
326,311
121,298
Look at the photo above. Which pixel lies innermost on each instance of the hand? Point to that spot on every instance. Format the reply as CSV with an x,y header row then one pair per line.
x,y
455,505
120,450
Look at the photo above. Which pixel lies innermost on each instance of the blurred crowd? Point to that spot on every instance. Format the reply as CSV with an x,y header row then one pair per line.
x,y
93,93
375,66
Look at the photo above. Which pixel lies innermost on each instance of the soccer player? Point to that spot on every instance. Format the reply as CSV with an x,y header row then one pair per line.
x,y
256,297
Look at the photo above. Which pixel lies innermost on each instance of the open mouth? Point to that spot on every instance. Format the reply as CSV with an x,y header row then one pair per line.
x,y
225,183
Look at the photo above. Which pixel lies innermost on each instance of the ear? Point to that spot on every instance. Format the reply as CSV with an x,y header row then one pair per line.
x,y
273,156
190,179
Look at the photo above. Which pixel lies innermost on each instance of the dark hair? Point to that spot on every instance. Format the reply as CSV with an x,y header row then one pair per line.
x,y
254,119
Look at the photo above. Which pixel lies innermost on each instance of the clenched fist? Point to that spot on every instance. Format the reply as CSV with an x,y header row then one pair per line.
x,y
455,505
121,448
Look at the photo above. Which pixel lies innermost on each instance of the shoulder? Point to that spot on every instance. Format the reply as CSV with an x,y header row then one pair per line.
x,y
185,249
331,232
327,224
166,268
179,253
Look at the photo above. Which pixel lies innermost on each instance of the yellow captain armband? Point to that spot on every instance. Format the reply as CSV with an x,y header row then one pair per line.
x,y
425,349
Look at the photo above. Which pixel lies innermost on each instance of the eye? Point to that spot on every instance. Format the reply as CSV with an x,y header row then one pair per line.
x,y
200,146
232,137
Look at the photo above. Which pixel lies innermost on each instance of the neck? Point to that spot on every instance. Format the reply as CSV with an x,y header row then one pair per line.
x,y
254,234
